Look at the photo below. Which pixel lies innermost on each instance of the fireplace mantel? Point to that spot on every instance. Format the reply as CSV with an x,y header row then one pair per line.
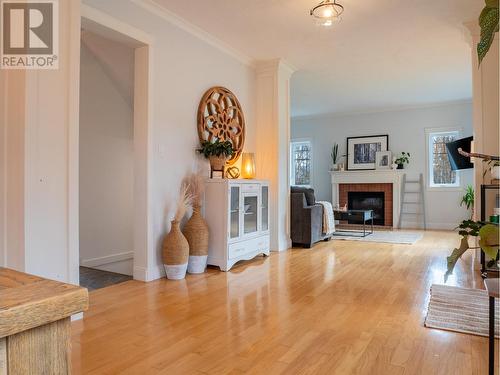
x,y
385,176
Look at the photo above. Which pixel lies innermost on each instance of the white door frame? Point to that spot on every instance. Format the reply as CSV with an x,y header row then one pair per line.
x,y
143,244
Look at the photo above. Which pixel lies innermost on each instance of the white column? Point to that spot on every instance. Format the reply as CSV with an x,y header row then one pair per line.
x,y
272,144
485,98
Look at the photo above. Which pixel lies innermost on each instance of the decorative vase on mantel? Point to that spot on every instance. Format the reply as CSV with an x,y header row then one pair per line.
x,y
175,253
196,233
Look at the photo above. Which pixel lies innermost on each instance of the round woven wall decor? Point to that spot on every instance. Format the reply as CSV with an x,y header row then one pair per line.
x,y
220,117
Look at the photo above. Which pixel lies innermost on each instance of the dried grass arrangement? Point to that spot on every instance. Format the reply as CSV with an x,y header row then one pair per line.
x,y
196,229
175,245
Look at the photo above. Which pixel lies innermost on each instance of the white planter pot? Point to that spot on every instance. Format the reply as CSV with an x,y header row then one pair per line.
x,y
495,172
176,272
197,263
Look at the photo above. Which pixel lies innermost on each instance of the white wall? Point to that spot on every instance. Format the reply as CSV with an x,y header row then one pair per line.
x,y
184,67
406,130
106,155
38,124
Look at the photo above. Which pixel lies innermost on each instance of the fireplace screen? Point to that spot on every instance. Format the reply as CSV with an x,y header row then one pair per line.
x,y
367,201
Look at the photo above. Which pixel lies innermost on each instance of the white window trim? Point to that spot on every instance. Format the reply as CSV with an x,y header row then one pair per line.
x,y
443,188
292,169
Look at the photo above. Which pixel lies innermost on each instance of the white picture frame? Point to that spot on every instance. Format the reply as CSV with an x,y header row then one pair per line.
x,y
361,151
383,160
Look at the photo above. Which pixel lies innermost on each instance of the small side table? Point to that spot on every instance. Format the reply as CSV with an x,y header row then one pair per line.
x,y
492,286
362,216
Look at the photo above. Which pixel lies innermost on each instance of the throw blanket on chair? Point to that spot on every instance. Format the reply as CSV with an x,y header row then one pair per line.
x,y
328,218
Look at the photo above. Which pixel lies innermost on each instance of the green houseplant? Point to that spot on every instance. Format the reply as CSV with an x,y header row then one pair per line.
x,y
403,159
335,156
216,152
488,21
488,235
468,200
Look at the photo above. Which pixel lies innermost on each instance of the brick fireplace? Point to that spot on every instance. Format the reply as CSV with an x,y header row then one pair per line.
x,y
383,189
371,181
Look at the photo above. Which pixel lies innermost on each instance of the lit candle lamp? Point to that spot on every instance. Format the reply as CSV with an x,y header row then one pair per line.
x,y
248,165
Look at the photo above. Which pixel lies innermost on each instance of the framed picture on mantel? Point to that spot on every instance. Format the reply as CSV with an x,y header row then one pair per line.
x,y
362,151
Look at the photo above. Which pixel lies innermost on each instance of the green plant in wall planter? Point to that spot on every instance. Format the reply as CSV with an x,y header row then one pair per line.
x,y
468,200
488,234
403,159
488,21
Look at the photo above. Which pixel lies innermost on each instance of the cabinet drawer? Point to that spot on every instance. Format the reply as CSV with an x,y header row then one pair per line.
x,y
259,244
250,188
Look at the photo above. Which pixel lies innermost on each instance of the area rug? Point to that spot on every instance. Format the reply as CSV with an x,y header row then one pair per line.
x,y
386,236
461,310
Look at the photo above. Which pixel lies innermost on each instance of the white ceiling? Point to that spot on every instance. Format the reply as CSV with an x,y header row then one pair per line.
x,y
384,53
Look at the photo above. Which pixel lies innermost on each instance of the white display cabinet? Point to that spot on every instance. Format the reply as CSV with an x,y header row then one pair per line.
x,y
237,214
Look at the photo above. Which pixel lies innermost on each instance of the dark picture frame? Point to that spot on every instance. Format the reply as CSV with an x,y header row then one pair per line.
x,y
361,151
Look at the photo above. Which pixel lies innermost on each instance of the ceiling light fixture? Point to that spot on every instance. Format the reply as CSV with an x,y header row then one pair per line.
x,y
327,12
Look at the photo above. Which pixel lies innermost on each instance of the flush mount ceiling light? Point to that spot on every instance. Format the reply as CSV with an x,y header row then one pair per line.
x,y
327,12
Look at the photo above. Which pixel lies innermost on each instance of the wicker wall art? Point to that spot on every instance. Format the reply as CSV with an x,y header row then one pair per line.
x,y
220,117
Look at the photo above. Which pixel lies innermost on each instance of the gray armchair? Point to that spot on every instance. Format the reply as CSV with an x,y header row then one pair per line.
x,y
306,218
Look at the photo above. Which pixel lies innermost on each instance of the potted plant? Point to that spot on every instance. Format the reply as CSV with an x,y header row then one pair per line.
x,y
488,234
335,157
468,200
488,21
217,153
494,168
403,159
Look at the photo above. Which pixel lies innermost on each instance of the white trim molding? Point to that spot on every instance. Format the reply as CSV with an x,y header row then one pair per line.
x,y
107,259
393,177
174,19
429,187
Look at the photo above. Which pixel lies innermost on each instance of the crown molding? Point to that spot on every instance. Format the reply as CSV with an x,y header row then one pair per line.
x,y
172,18
381,110
272,66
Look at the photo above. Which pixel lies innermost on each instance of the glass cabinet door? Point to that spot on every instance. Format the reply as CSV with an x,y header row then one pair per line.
x,y
234,220
250,214
265,208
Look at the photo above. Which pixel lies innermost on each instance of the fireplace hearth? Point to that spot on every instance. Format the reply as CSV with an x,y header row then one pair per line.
x,y
368,200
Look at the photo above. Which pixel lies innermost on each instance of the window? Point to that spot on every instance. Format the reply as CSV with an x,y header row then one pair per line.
x,y
440,173
301,163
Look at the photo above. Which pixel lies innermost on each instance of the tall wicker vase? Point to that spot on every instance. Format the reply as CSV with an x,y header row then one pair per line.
x,y
196,233
175,253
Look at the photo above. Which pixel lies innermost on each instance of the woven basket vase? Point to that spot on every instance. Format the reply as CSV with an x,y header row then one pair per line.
x,y
196,233
217,163
175,248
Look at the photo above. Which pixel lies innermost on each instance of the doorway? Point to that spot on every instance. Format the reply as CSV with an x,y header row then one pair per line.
x,y
113,146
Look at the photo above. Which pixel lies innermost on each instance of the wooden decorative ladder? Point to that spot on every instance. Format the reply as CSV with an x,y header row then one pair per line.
x,y
418,203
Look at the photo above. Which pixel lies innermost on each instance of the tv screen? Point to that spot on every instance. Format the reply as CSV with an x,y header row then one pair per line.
x,y
458,161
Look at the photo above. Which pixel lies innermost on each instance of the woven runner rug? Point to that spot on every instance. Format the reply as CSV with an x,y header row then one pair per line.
x,y
460,310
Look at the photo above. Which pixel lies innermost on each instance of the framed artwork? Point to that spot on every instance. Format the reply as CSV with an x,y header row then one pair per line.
x,y
362,151
383,160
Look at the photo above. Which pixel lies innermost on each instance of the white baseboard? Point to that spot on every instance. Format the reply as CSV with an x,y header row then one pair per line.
x,y
77,316
435,226
107,259
146,275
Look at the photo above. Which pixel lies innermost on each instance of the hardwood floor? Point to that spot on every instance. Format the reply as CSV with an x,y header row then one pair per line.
x,y
340,308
